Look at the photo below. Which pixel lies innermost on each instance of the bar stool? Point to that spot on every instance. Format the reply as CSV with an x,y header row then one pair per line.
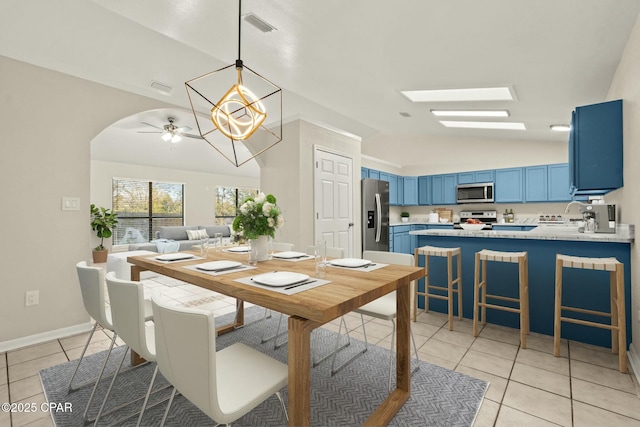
x,y
617,314
449,253
480,284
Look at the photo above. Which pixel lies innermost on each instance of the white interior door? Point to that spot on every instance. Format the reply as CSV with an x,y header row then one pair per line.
x,y
333,199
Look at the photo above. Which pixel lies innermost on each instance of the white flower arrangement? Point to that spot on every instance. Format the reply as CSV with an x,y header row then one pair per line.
x,y
259,216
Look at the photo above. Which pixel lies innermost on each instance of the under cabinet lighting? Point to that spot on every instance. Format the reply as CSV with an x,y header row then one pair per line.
x,y
484,125
560,128
470,113
473,94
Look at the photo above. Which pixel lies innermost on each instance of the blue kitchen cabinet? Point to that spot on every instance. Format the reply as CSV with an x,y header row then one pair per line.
x,y
384,176
558,183
424,190
393,190
443,189
400,190
364,173
414,239
595,148
536,184
374,174
476,177
402,239
410,191
499,227
509,185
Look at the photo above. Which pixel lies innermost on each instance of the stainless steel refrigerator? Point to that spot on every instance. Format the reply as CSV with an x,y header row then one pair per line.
x,y
375,215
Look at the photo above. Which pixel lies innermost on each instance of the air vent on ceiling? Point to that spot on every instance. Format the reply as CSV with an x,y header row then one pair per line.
x,y
405,114
258,22
161,87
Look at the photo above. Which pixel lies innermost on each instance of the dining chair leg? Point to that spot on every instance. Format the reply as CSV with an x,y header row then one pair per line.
x,y
113,380
146,398
335,370
166,411
95,387
339,347
284,407
84,350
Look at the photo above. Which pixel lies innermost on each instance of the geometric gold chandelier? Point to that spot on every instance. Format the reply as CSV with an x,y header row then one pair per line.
x,y
244,119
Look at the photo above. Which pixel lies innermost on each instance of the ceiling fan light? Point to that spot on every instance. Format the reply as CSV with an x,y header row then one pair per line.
x,y
166,136
176,138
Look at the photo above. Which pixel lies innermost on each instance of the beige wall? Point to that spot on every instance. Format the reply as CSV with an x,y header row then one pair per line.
x,y
50,119
287,169
626,86
200,188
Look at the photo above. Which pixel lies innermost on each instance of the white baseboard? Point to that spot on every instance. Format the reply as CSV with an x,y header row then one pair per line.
x,y
634,361
45,336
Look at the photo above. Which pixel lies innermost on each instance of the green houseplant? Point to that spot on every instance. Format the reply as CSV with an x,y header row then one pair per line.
x,y
404,216
102,222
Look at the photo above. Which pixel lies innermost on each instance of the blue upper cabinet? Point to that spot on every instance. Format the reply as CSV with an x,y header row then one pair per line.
x,y
374,174
558,183
443,189
393,189
364,173
424,190
535,187
509,185
410,191
595,148
476,177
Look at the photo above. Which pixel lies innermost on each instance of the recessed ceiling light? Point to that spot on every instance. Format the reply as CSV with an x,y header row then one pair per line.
x,y
560,128
473,94
470,113
484,125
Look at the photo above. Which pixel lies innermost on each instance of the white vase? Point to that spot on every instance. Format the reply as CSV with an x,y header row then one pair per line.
x,y
260,248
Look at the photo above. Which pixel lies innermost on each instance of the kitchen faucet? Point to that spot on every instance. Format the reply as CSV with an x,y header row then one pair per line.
x,y
571,203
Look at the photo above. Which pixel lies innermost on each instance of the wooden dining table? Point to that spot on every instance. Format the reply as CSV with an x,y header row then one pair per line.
x,y
347,290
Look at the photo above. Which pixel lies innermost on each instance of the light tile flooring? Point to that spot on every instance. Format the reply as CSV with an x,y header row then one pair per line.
x,y
528,387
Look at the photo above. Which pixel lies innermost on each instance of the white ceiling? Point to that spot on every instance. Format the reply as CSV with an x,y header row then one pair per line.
x,y
340,63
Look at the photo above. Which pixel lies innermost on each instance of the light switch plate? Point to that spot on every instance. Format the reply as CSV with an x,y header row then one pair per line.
x,y
71,203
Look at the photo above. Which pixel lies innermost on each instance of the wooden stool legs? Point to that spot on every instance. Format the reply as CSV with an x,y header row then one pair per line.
x,y
453,285
480,295
617,324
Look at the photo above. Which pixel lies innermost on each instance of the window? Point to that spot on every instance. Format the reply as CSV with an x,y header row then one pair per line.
x,y
228,200
143,206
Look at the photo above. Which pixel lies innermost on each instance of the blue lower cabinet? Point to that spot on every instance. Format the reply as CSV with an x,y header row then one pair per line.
x,y
401,239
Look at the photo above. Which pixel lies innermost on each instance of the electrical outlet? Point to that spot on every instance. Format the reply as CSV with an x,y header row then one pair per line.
x,y
32,298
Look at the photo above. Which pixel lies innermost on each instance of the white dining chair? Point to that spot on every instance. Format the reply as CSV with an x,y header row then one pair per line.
x,y
129,321
281,246
382,308
92,289
224,384
275,247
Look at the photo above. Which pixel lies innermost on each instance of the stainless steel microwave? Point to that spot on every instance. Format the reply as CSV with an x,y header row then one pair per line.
x,y
475,193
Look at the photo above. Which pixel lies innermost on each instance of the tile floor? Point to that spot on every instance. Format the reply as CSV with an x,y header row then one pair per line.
x,y
529,387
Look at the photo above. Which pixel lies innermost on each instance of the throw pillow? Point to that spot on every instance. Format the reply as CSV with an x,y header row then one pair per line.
x,y
197,234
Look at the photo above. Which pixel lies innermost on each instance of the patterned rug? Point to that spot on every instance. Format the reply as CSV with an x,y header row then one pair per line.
x,y
439,397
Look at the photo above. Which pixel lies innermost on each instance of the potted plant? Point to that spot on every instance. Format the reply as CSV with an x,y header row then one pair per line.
x,y
258,219
102,222
404,216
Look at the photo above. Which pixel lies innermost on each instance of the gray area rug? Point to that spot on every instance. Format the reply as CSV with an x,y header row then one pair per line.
x,y
439,397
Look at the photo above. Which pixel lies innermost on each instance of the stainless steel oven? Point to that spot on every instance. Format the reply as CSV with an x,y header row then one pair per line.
x,y
475,193
488,218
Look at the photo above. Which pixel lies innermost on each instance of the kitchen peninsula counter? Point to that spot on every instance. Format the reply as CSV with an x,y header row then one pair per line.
x,y
581,288
625,233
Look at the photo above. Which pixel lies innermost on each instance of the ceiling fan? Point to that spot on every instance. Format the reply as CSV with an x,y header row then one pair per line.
x,y
171,132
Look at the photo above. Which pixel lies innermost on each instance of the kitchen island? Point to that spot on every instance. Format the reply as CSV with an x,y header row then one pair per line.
x,y
581,288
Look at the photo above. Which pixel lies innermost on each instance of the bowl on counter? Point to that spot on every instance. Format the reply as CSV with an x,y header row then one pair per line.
x,y
472,227
444,220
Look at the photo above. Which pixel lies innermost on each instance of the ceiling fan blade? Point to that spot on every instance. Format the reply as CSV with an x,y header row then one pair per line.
x,y
183,129
149,131
153,126
191,135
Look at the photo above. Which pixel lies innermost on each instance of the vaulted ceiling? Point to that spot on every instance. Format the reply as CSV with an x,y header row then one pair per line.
x,y
340,63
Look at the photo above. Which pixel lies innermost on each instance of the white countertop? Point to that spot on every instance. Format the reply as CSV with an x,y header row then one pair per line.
x,y
625,233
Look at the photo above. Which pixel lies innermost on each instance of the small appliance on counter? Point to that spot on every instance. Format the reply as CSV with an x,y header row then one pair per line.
x,y
486,217
599,218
